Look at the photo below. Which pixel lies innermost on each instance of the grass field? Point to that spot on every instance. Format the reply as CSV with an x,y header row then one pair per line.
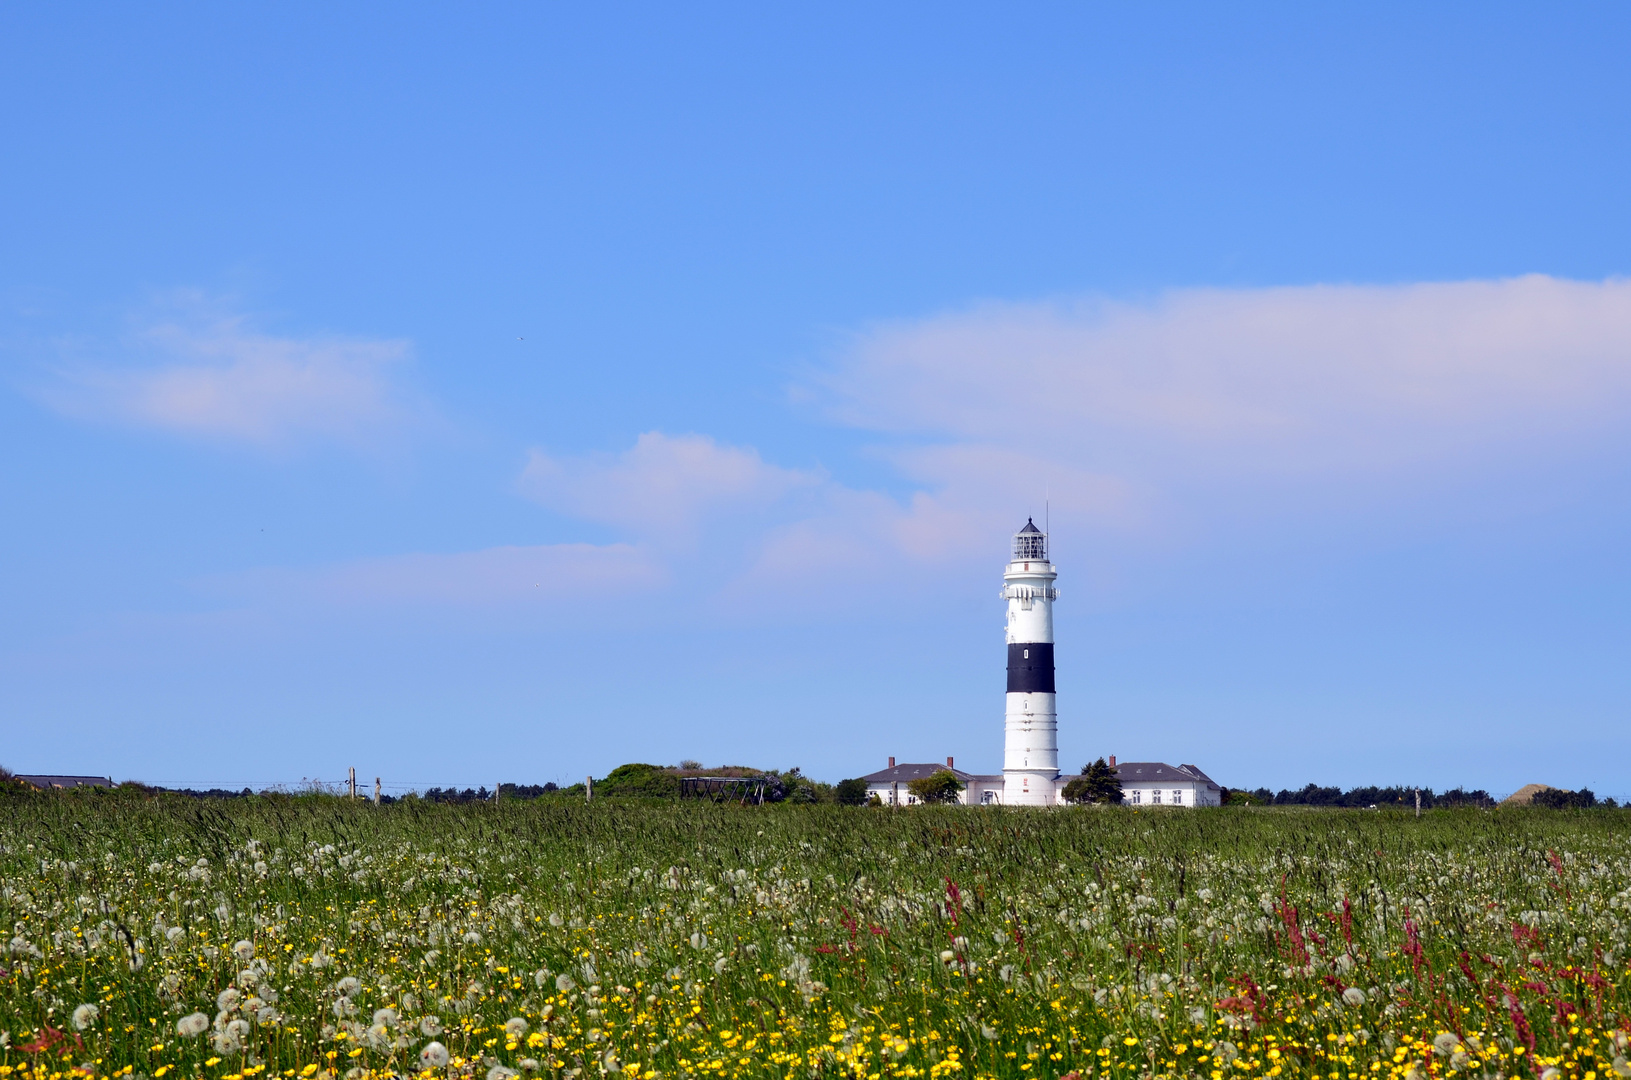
x,y
313,936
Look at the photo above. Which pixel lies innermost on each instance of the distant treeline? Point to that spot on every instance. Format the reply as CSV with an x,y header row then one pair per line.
x,y
792,786
1402,797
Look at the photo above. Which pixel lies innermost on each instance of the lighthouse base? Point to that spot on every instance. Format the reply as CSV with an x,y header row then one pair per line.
x,y
1030,758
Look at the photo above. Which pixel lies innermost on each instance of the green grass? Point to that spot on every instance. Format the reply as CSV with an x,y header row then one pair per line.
x,y
699,940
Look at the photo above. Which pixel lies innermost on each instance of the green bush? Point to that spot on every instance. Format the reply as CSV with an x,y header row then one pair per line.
x,y
850,792
940,787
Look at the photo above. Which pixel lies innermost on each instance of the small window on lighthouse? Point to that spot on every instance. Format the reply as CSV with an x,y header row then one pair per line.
x,y
1027,654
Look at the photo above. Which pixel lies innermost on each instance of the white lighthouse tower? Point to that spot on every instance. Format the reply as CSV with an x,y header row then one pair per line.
x,y
1030,758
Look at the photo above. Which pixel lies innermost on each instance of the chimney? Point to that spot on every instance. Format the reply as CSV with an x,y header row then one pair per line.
x,y
891,763
948,761
1112,760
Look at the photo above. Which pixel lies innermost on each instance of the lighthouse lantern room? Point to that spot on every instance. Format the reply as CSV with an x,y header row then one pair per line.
x,y
1030,763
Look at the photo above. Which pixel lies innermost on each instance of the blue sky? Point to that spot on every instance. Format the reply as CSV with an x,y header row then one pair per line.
x,y
510,393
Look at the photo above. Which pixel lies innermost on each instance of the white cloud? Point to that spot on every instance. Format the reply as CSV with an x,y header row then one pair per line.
x,y
214,376
1308,380
664,485
1142,423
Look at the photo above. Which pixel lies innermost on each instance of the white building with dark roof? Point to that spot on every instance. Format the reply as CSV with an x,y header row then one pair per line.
x,y
891,785
1155,783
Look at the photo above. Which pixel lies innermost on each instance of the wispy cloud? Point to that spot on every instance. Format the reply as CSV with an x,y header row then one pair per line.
x,y
1307,380
215,376
1144,423
663,485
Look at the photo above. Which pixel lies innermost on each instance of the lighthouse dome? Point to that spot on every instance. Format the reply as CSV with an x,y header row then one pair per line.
x,y
1030,542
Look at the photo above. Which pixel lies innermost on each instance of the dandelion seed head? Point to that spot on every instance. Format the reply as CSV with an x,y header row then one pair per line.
x,y
85,1016
433,1056
192,1024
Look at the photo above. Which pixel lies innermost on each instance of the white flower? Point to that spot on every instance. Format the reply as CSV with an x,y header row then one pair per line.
x,y
699,940
226,999
1204,894
947,956
386,1017
1445,1043
431,1025
85,1016
226,1043
244,950
609,1062
348,985
192,1024
471,938
1225,1051
515,1027
1550,1074
960,944
499,1072
555,919
528,1064
174,934
720,965
433,1056
1354,996
564,982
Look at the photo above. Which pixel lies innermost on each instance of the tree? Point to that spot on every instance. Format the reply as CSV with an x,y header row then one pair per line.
x,y
650,781
851,792
1098,783
1565,800
941,787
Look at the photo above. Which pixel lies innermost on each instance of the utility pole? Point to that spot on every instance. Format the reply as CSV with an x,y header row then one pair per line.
x,y
376,791
1418,802
353,781
589,789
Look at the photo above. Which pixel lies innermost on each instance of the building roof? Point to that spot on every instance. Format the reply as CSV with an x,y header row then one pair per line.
x,y
1134,773
1030,527
903,773
41,781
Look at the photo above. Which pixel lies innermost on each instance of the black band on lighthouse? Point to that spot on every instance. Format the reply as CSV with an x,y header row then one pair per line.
x,y
1030,668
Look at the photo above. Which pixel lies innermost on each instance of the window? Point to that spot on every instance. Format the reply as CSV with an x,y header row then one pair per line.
x,y
1136,795
1177,796
1155,796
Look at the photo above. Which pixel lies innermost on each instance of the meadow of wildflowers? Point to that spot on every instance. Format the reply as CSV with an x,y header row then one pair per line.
x,y
314,937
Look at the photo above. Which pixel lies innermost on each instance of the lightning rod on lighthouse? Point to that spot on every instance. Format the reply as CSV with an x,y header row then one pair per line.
x,y
1030,759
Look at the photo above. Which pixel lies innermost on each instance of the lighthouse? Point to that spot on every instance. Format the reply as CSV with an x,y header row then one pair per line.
x,y
1030,757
